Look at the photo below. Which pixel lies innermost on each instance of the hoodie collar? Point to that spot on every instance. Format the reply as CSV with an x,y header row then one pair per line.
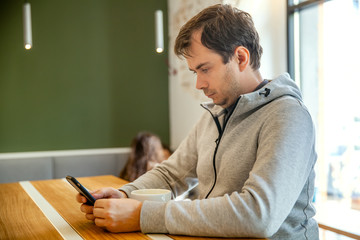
x,y
273,89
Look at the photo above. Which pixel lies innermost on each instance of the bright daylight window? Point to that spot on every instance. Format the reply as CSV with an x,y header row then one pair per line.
x,y
323,57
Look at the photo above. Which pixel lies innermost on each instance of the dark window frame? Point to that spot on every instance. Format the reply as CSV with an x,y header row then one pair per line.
x,y
290,10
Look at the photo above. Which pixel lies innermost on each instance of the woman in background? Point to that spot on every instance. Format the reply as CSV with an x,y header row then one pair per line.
x,y
146,151
167,151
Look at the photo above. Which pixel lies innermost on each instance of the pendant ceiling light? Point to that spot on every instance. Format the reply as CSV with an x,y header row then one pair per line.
x,y
159,32
27,26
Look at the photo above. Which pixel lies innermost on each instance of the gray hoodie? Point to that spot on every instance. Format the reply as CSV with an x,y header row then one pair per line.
x,y
255,175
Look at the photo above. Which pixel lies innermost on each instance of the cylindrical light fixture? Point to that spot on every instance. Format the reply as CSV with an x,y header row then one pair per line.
x,y
159,31
27,25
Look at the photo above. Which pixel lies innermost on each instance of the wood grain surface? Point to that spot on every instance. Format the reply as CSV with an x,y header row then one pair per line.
x,y
20,218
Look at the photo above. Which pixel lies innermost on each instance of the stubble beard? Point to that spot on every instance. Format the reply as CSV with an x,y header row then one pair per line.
x,y
231,92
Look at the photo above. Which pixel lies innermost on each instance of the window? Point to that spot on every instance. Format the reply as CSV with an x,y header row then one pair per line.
x,y
323,58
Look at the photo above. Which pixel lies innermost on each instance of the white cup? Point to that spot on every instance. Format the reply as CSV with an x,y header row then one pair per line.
x,y
159,195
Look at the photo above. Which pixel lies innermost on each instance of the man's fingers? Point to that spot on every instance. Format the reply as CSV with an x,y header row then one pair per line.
x,y
80,198
90,216
102,203
99,213
86,208
100,222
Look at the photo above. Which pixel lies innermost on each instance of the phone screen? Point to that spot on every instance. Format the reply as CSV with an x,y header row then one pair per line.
x,y
81,189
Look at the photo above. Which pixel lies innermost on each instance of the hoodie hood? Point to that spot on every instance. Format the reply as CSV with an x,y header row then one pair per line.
x,y
281,86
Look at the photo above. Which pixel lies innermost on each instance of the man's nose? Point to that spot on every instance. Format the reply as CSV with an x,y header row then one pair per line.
x,y
201,83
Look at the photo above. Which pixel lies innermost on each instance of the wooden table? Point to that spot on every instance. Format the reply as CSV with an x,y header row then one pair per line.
x,y
48,210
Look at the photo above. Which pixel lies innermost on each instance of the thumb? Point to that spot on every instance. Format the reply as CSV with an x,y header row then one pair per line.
x,y
106,193
99,193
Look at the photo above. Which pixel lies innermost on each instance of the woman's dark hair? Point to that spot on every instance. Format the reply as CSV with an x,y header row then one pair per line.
x,y
224,28
146,148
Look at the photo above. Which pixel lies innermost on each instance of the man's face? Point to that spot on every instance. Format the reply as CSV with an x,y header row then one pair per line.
x,y
219,81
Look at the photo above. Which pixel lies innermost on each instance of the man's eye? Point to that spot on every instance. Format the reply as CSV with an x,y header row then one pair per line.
x,y
205,70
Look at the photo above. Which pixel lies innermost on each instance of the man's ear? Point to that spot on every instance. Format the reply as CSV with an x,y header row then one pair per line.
x,y
242,57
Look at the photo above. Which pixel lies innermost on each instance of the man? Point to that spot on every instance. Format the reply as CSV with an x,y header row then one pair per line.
x,y
253,150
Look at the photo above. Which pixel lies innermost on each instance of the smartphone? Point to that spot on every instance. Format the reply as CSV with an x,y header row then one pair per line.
x,y
81,189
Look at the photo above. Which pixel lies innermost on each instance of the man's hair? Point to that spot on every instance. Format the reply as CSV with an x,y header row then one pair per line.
x,y
224,28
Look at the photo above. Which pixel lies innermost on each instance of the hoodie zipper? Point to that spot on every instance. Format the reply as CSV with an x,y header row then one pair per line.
x,y
217,141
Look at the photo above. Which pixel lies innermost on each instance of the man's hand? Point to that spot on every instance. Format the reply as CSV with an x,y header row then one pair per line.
x,y
112,210
118,215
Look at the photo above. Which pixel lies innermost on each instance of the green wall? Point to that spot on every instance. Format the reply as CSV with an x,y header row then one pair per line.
x,y
92,79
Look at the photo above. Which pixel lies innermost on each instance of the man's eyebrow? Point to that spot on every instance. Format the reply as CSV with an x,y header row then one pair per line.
x,y
199,66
